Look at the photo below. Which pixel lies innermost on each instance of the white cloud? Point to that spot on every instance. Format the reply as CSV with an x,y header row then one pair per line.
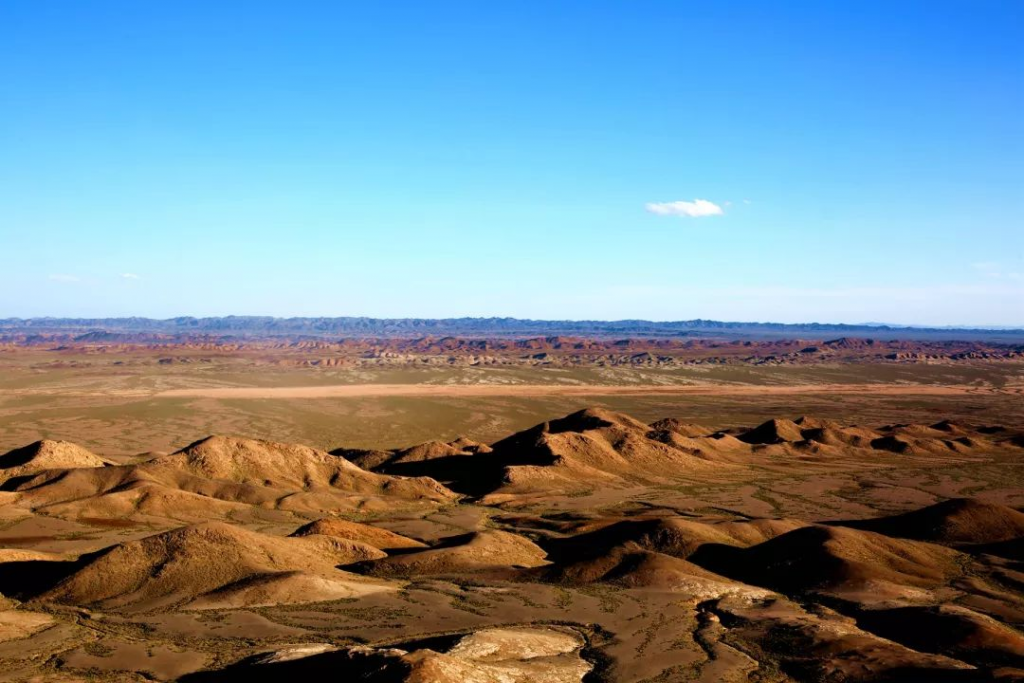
x,y
64,277
130,276
746,201
695,209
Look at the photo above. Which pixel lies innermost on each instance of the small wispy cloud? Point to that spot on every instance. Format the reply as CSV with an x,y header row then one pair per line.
x,y
130,276
996,271
698,208
63,277
746,201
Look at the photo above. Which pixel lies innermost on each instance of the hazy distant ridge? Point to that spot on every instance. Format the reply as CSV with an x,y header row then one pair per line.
x,y
265,326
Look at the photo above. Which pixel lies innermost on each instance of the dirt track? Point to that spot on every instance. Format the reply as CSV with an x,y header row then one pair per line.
x,y
367,390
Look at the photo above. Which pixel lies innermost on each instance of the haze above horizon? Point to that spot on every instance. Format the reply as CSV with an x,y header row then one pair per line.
x,y
791,162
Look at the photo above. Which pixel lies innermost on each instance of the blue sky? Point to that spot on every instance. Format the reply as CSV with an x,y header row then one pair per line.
x,y
855,161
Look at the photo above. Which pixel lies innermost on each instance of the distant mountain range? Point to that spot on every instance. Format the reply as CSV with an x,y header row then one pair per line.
x,y
296,328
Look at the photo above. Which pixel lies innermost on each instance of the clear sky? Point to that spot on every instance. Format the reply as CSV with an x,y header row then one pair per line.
x,y
847,161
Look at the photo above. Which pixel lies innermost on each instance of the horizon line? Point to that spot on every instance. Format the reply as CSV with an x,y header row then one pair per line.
x,y
691,322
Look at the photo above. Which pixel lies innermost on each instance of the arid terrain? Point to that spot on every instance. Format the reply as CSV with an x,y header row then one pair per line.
x,y
512,342
123,396
511,510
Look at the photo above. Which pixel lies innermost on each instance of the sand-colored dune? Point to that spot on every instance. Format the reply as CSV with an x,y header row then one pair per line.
x,y
587,448
594,543
283,588
688,429
958,520
192,562
833,559
631,566
773,431
601,448
46,455
141,501
675,536
484,550
287,466
652,553
222,476
354,531
382,461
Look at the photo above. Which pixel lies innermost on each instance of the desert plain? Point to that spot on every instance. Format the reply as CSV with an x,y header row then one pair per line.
x,y
442,510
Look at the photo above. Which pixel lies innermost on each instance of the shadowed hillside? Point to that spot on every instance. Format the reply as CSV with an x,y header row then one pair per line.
x,y
590,545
